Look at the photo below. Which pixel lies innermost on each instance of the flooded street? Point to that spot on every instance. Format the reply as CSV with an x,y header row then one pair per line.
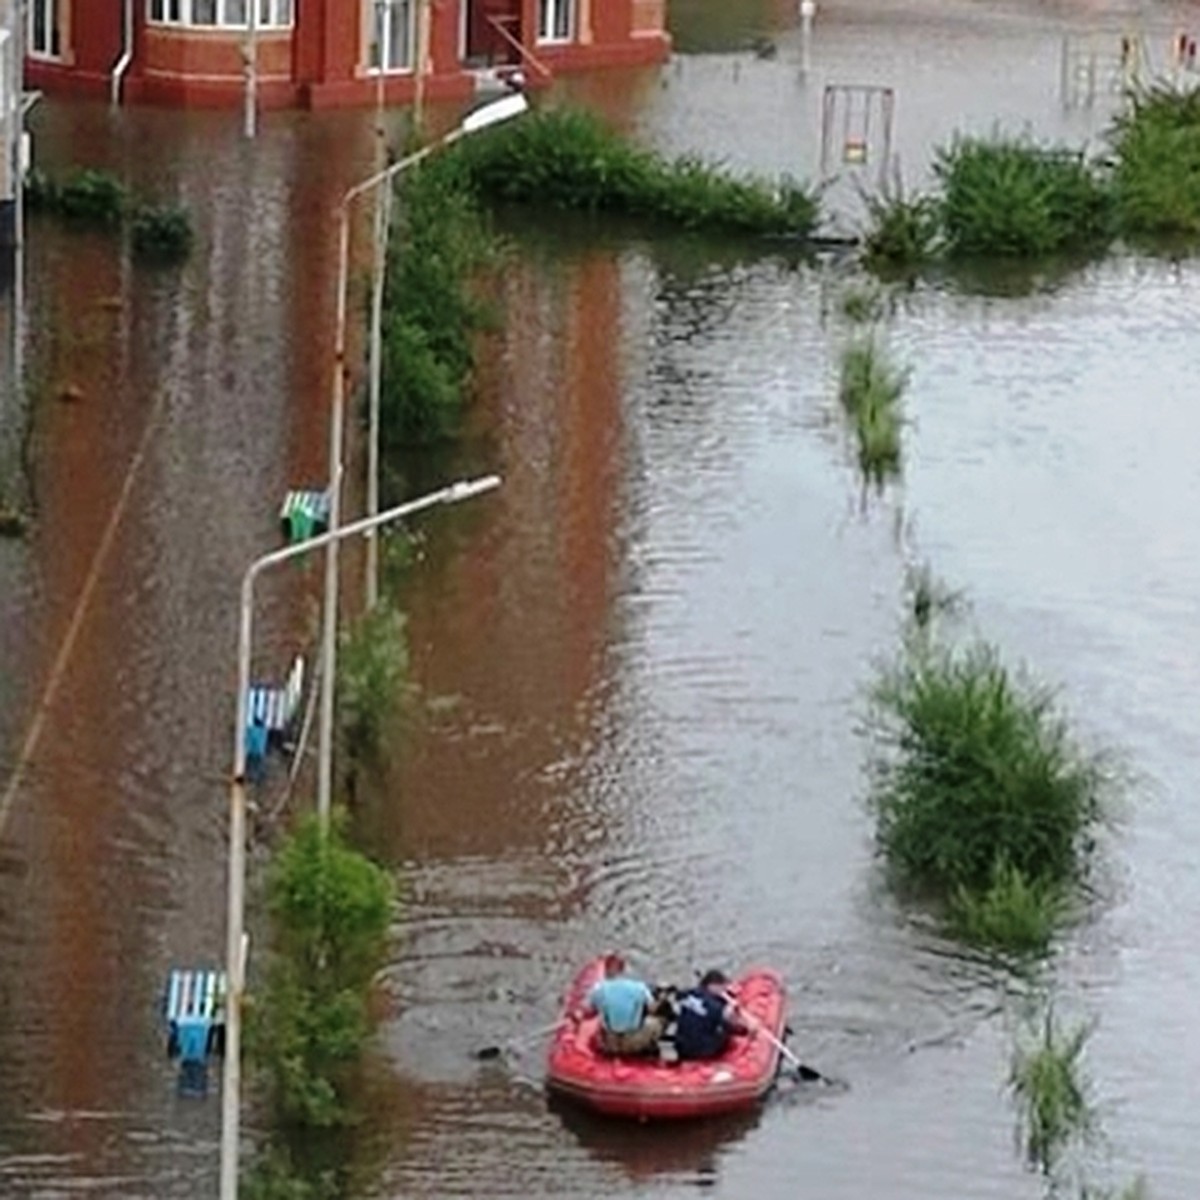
x,y
640,665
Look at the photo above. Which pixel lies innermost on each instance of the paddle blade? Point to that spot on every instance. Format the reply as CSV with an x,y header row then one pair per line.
x,y
808,1074
487,1053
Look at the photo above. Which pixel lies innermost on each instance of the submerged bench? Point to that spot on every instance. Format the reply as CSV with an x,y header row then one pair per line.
x,y
194,1011
271,711
305,514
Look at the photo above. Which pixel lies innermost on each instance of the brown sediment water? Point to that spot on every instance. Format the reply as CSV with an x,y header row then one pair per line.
x,y
640,664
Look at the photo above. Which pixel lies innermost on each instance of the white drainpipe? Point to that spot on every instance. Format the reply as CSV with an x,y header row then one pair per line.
x,y
122,65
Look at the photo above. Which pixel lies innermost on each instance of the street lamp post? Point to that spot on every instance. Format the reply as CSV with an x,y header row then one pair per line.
x,y
383,218
15,118
481,118
490,114
235,949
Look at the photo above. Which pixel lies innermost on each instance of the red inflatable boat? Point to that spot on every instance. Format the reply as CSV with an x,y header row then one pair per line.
x,y
650,1090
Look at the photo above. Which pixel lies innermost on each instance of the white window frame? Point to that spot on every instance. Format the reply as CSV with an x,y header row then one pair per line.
x,y
220,14
51,14
386,58
550,17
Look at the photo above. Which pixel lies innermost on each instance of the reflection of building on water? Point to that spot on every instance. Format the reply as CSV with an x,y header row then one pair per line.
x,y
315,53
520,626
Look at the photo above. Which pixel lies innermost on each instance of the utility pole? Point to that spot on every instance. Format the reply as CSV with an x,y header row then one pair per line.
x,y
16,127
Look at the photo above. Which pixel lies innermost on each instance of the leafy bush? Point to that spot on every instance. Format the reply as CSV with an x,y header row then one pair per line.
x,y
372,665
273,1176
92,198
973,769
439,246
158,233
568,158
330,910
1051,1093
161,233
1156,177
1010,197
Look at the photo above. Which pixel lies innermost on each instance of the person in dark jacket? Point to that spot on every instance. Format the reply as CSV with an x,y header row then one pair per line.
x,y
706,1019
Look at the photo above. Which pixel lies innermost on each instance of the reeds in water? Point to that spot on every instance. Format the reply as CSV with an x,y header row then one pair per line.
x,y
1051,1093
870,390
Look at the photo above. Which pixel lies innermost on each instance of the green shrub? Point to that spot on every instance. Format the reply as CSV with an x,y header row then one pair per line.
x,y
161,233
1156,176
1012,914
568,158
330,910
372,667
903,234
1010,197
973,768
439,247
1050,1090
92,198
273,1176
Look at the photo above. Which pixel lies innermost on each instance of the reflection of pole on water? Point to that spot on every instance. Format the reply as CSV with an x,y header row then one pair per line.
x,y
808,10
250,62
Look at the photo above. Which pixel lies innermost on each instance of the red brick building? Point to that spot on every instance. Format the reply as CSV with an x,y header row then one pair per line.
x,y
316,53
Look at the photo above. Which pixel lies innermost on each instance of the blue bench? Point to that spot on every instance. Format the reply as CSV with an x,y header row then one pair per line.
x,y
304,514
194,1012
271,711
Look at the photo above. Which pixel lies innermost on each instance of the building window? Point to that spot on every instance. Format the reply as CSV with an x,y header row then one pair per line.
x,y
43,18
392,25
556,20
219,14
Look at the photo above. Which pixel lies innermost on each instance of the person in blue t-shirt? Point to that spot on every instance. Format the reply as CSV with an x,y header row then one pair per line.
x,y
629,1024
706,1019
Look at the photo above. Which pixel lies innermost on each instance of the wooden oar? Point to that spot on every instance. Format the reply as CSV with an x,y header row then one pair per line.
x,y
488,1052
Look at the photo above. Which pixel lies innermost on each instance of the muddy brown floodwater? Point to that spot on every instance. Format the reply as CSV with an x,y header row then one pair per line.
x,y
640,664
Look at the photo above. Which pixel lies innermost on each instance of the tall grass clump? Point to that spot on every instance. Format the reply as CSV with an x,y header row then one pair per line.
x,y
870,390
1156,173
1013,914
433,310
903,233
981,798
1051,1092
863,305
330,911
569,158
1008,197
